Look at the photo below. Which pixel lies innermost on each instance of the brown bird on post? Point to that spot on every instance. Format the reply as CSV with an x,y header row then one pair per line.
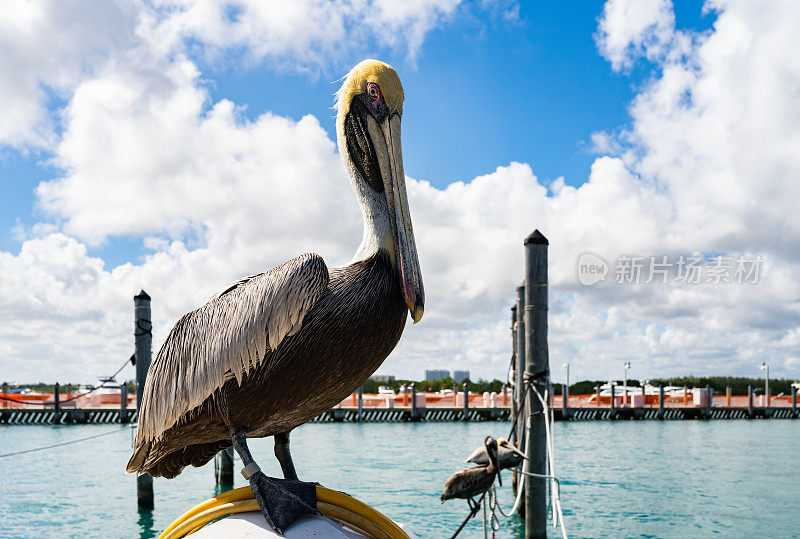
x,y
276,349
471,482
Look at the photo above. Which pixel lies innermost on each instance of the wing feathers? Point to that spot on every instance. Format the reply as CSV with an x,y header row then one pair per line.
x,y
228,336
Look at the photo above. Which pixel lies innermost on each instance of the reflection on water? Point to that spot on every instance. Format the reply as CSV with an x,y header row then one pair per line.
x,y
634,479
146,524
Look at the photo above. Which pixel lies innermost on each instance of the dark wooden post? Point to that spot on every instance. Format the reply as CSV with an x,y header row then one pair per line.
x,y
710,396
413,401
537,373
750,400
56,403
564,401
520,375
794,400
123,403
466,402
360,404
4,403
661,402
144,352
223,467
514,364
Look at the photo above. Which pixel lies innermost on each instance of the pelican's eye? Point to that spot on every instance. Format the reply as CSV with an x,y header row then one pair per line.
x,y
374,90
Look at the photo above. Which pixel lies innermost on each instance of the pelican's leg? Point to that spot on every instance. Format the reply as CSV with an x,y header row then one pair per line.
x,y
282,501
284,457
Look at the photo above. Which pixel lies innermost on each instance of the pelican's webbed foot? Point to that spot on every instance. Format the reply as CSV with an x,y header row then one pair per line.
x,y
282,501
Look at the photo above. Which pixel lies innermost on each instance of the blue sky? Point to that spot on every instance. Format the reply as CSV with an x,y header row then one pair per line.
x,y
482,92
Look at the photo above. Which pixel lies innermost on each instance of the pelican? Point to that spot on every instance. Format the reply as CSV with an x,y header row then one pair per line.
x,y
508,456
276,349
474,481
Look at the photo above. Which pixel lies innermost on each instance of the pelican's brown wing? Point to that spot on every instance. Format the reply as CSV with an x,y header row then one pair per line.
x,y
467,483
225,338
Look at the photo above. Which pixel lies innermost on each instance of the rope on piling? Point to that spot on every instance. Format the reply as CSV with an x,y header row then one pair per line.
x,y
75,397
62,443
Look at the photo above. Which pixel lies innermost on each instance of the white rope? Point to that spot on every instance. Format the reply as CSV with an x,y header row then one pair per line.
x,y
556,491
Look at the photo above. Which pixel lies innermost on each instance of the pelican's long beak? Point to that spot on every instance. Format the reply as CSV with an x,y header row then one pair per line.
x,y
394,183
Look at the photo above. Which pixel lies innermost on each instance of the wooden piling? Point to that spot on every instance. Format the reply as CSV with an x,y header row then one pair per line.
x,y
414,402
728,393
520,374
57,401
223,467
709,397
661,402
514,364
565,401
123,403
466,402
537,373
360,404
144,352
794,400
597,395
750,400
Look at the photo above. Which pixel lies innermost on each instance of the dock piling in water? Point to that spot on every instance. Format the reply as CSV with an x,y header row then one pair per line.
x,y
57,401
143,334
661,402
360,404
123,403
750,400
223,467
466,402
537,374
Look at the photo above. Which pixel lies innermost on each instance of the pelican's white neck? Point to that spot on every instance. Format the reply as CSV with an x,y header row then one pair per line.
x,y
377,226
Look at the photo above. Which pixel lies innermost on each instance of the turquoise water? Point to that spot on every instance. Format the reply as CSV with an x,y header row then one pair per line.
x,y
620,479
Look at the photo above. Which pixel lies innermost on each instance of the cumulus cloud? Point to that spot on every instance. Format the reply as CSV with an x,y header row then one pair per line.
x,y
630,29
706,167
48,48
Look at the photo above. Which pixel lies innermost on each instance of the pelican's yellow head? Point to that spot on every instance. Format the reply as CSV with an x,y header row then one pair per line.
x,y
359,81
369,109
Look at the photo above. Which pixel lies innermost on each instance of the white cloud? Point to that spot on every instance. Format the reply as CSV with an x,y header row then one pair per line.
x,y
707,165
629,29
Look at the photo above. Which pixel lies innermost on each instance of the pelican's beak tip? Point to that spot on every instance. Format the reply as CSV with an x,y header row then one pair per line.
x,y
416,313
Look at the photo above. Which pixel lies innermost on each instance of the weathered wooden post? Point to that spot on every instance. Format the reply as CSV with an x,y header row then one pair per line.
x,y
143,334
466,403
520,374
413,401
123,403
223,467
728,393
5,394
564,401
360,404
597,395
661,401
710,395
515,387
794,401
56,403
537,373
750,400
